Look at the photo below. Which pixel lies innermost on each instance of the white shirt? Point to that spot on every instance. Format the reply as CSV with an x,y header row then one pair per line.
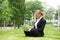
x,y
37,22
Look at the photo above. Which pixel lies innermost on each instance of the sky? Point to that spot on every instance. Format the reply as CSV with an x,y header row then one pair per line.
x,y
52,3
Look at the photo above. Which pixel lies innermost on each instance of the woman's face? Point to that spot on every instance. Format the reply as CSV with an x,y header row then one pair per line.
x,y
37,14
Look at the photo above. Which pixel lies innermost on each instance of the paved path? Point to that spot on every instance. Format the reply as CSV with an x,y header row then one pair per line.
x,y
6,28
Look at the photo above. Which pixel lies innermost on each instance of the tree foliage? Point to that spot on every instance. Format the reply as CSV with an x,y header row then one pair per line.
x,y
18,10
31,6
49,12
13,11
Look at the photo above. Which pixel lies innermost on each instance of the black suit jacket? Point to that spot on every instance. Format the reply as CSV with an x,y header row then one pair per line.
x,y
37,32
41,25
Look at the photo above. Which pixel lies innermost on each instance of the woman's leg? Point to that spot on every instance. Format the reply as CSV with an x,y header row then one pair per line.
x,y
34,33
27,33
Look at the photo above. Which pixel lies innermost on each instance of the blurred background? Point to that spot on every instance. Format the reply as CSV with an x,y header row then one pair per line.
x,y
18,14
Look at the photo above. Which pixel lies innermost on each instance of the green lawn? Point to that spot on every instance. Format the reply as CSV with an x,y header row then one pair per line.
x,y
51,33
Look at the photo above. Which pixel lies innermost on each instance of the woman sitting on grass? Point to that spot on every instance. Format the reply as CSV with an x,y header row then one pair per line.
x,y
38,29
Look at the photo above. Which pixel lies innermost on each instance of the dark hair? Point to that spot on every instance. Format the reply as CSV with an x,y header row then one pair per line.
x,y
41,13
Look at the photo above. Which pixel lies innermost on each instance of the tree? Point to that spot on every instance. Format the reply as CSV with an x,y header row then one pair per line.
x,y
1,9
56,15
4,13
31,6
18,10
49,13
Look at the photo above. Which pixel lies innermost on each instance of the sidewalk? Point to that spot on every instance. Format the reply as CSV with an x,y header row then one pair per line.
x,y
6,28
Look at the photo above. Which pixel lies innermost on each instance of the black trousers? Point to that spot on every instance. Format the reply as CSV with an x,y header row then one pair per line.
x,y
34,33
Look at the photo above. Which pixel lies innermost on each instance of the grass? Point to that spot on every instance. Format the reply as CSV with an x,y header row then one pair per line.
x,y
51,33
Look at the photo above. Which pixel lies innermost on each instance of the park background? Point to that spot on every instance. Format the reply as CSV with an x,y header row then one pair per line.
x,y
18,15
